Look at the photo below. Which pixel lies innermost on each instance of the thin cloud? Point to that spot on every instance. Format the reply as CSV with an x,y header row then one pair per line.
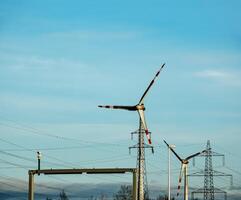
x,y
224,77
213,74
28,62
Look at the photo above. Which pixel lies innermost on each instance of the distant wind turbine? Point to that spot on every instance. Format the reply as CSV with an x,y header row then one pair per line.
x,y
140,108
183,171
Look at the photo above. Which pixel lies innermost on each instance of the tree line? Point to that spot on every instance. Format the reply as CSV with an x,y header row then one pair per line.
x,y
124,193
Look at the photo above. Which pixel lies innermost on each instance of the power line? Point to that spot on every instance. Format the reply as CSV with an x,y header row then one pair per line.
x,y
20,146
230,153
45,149
17,156
235,171
41,133
64,163
84,143
16,165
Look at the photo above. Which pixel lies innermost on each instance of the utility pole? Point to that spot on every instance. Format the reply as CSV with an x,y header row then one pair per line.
x,y
208,189
142,186
169,170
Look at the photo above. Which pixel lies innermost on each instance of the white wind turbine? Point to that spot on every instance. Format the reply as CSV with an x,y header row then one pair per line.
x,y
140,108
183,171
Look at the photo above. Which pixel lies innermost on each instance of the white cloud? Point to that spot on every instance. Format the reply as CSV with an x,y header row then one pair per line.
x,y
224,77
213,74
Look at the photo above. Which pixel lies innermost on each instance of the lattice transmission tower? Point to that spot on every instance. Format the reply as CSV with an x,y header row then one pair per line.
x,y
208,173
142,184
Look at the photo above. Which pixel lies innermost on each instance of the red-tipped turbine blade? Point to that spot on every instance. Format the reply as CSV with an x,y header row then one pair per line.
x,y
180,180
148,136
151,83
142,116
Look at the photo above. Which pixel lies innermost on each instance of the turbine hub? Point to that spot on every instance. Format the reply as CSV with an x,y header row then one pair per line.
x,y
185,162
140,107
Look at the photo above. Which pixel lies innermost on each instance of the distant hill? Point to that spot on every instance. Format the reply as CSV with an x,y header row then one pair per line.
x,y
90,191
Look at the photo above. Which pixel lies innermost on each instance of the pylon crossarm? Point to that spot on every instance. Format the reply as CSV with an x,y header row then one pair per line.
x,y
212,153
217,173
199,173
201,190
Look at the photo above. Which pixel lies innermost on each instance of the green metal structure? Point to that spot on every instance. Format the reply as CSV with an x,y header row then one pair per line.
x,y
31,174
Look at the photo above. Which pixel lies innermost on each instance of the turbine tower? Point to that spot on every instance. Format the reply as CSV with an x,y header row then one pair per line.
x,y
183,171
140,108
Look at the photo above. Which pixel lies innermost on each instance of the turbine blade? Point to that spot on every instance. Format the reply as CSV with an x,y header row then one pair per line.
x,y
196,154
179,158
151,83
131,108
142,117
180,180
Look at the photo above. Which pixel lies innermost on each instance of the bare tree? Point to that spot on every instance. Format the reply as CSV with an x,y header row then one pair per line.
x,y
125,193
161,197
63,195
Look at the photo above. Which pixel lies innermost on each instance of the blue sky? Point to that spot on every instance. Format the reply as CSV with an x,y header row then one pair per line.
x,y
60,59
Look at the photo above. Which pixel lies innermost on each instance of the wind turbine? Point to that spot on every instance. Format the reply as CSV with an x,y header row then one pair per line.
x,y
183,171
140,108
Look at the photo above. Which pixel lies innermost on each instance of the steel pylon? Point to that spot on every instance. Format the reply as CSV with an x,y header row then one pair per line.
x,y
142,184
208,175
209,190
